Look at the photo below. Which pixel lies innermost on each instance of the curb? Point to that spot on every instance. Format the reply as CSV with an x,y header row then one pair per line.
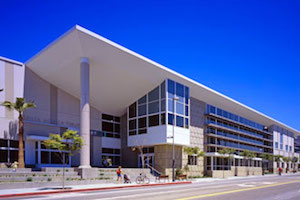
x,y
90,189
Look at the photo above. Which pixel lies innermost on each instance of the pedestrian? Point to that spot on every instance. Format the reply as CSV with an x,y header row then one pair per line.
x,y
279,171
119,174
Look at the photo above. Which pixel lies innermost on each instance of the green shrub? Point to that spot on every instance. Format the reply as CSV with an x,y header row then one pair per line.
x,y
29,179
49,179
33,174
67,170
58,170
45,175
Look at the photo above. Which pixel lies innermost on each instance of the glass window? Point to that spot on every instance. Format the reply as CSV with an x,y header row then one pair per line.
x,y
219,112
180,92
290,148
286,148
132,110
153,107
3,143
117,128
179,108
108,150
186,124
45,157
107,117
212,109
170,119
142,122
179,121
187,95
186,111
132,132
171,88
3,156
14,144
56,158
142,100
153,95
163,90
142,131
117,119
170,105
142,110
163,118
106,126
163,105
153,120
132,124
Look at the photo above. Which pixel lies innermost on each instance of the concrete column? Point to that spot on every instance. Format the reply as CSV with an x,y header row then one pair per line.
x,y
212,163
85,112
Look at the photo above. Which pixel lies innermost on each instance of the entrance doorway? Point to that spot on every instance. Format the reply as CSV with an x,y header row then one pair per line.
x,y
148,160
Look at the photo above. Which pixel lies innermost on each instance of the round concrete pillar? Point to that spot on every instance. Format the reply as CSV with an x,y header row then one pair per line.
x,y
85,112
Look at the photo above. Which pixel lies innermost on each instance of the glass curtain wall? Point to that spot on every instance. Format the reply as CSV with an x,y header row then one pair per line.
x,y
156,108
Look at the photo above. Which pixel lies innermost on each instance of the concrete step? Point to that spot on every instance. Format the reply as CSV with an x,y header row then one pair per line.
x,y
57,169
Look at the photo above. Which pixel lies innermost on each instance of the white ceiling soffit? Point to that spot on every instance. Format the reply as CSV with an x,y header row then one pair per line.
x,y
119,76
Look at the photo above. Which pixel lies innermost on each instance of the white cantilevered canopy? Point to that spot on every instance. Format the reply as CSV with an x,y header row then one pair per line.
x,y
118,76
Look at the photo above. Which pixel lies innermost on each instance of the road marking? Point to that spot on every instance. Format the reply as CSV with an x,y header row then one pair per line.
x,y
239,190
245,185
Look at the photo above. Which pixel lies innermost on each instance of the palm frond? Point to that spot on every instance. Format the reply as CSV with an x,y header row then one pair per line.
x,y
8,104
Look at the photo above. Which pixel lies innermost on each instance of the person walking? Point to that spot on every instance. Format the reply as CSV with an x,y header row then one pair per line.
x,y
119,174
279,171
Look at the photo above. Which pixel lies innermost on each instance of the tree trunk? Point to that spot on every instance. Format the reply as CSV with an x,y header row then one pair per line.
x,y
21,144
64,162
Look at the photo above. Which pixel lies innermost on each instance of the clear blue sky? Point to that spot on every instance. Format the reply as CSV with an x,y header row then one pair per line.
x,y
247,50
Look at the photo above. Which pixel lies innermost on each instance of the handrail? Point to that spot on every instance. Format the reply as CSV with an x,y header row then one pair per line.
x,y
152,168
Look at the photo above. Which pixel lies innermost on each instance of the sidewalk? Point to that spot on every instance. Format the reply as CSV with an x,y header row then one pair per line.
x,y
4,193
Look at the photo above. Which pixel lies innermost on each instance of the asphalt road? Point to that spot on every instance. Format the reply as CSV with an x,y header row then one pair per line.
x,y
267,188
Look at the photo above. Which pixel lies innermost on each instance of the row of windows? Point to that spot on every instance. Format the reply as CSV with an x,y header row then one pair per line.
x,y
287,147
110,118
234,117
140,125
9,143
234,127
233,144
110,151
234,136
179,90
282,130
153,102
50,157
9,150
104,134
180,121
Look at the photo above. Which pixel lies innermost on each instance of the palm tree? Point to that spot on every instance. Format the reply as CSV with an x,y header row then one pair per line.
x,y
248,155
20,106
295,161
194,151
265,157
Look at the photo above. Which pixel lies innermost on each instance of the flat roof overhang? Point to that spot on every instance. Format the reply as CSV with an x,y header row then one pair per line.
x,y
119,76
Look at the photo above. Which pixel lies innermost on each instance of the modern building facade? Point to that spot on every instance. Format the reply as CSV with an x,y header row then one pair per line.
x,y
119,100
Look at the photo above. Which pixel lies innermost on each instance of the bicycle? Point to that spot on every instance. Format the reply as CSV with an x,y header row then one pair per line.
x,y
142,179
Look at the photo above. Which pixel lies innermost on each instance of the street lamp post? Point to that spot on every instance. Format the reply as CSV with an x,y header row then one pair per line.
x,y
173,145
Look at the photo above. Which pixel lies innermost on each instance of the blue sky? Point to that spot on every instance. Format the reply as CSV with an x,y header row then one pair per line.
x,y
247,50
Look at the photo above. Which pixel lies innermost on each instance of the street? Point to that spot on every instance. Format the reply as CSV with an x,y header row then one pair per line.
x,y
267,188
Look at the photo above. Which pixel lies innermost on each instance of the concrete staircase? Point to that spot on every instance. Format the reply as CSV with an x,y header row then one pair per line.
x,y
26,178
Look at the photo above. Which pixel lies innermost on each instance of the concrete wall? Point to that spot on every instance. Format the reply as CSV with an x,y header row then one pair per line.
x,y
163,158
12,81
197,119
129,158
236,171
